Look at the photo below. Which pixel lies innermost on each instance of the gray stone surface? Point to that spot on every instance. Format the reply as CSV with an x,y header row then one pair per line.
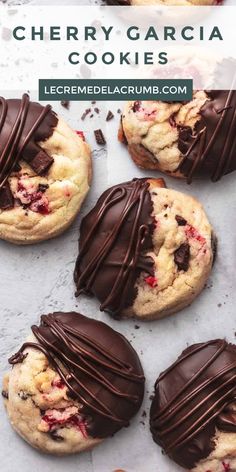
x,y
38,279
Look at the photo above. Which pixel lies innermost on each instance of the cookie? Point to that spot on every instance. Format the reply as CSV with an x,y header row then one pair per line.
x,y
74,382
45,172
186,140
192,416
144,250
163,2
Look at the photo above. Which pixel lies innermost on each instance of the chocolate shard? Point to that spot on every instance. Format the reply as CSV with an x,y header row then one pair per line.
x,y
180,220
110,116
6,197
99,136
181,257
41,162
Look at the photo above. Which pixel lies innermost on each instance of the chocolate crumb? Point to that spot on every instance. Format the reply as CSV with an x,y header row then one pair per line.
x,y
93,102
181,257
180,220
86,112
65,104
99,136
96,109
119,110
55,436
144,414
91,116
136,326
110,116
5,394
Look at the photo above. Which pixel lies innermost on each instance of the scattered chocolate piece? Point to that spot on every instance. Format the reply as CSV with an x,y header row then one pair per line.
x,y
99,136
41,162
6,197
91,116
180,220
93,102
96,109
86,112
5,394
110,116
119,110
43,187
136,326
55,436
65,104
181,256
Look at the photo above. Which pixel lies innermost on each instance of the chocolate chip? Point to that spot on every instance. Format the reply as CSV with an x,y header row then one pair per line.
x,y
65,104
99,136
110,116
6,197
180,220
55,436
181,256
23,395
41,162
43,187
5,394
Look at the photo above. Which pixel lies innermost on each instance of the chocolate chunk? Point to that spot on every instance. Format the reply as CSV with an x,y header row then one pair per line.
x,y
180,220
55,436
5,394
136,106
193,401
65,104
181,257
41,162
6,197
86,112
43,187
99,136
110,116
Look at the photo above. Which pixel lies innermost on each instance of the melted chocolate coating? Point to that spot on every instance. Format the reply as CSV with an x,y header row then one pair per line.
x,y
193,398
22,125
114,239
210,150
98,365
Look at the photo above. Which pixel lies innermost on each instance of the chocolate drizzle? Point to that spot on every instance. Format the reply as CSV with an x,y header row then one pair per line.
x,y
210,150
97,364
22,125
193,398
114,239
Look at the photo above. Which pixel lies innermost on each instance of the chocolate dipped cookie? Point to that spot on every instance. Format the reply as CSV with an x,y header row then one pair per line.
x,y
144,250
193,413
45,171
74,382
187,140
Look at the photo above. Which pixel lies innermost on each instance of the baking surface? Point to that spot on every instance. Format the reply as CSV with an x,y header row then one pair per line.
x,y
39,279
